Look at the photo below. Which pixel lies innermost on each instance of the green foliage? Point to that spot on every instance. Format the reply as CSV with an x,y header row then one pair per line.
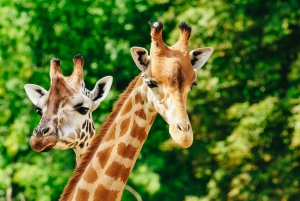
x,y
245,111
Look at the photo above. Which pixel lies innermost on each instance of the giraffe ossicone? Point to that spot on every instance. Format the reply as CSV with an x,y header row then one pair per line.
x,y
168,74
66,109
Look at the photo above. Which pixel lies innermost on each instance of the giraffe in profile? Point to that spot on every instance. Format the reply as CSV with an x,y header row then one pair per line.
x,y
168,74
66,109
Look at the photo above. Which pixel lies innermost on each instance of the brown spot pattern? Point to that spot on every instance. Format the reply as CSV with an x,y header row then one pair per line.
x,y
81,145
152,120
138,132
82,135
83,125
82,194
138,99
104,155
118,171
124,126
91,175
127,151
88,157
102,193
91,134
141,114
111,135
87,127
126,108
90,127
151,110
55,121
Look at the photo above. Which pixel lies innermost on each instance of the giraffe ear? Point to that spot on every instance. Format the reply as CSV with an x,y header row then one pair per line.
x,y
34,92
100,91
140,57
200,56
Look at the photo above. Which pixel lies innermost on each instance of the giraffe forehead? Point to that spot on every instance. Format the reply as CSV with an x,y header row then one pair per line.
x,y
173,71
60,95
61,88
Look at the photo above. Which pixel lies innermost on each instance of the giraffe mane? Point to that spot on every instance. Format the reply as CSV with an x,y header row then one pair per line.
x,y
87,157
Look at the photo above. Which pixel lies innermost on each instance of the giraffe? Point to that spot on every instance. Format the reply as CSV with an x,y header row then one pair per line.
x,y
167,76
66,109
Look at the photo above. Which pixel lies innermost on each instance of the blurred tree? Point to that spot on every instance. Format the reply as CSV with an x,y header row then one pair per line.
x,y
245,111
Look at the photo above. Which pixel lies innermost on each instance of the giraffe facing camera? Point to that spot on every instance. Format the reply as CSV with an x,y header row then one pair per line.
x,y
66,109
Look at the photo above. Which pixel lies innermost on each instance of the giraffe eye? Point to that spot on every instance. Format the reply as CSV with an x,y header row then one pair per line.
x,y
194,84
151,83
39,111
83,110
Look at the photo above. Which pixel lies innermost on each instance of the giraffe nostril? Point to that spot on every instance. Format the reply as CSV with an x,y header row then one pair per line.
x,y
179,127
183,127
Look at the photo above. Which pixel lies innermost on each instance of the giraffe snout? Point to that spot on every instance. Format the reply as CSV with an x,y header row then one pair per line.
x,y
183,127
182,134
43,138
42,130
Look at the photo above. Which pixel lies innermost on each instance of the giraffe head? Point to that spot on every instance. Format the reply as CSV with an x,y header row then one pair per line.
x,y
65,110
168,75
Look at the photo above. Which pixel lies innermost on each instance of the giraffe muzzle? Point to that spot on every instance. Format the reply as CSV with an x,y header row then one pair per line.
x,y
42,144
182,134
43,139
40,131
183,127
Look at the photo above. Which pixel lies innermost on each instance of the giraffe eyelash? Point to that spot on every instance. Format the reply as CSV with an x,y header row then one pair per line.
x,y
39,111
151,83
83,110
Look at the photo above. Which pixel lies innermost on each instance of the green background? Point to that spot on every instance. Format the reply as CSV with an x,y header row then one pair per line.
x,y
245,111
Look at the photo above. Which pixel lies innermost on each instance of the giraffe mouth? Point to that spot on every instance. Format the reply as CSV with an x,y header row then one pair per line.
x,y
42,143
47,149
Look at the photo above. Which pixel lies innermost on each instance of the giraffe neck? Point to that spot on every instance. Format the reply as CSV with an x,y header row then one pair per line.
x,y
104,174
86,136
